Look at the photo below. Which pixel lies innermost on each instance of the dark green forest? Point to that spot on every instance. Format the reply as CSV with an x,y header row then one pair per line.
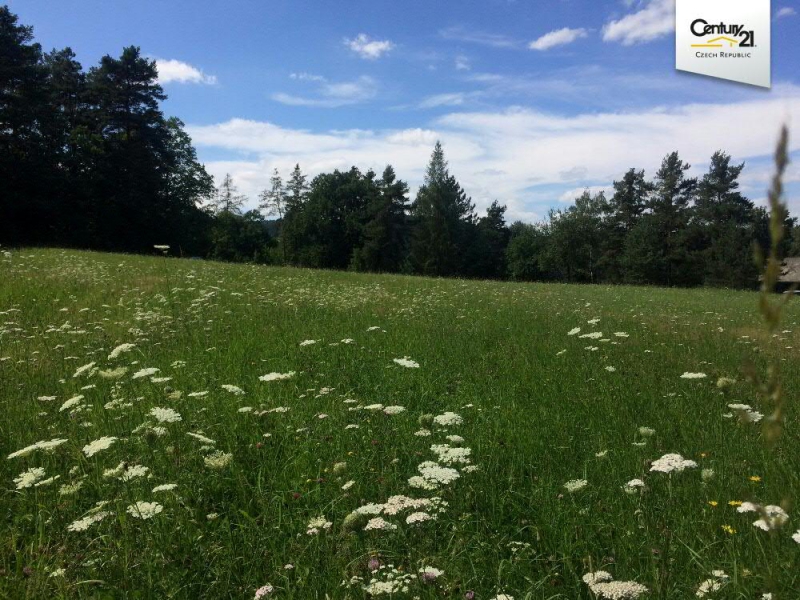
x,y
89,160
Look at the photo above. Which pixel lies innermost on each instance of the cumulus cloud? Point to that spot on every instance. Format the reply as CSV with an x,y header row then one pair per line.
x,y
330,94
559,37
655,20
527,158
170,70
786,11
368,48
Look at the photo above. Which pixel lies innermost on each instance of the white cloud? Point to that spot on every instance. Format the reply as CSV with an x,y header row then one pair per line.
x,y
306,77
653,21
454,99
330,94
170,70
462,63
368,48
523,157
559,37
786,11
568,197
493,40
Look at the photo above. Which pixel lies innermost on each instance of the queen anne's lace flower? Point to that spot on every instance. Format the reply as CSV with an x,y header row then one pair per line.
x,y
144,510
165,415
120,350
688,375
46,445
277,376
448,419
28,478
218,460
379,523
84,523
406,362
672,462
145,372
96,446
575,485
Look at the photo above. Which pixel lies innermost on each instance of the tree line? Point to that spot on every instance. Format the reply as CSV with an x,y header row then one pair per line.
x,y
89,160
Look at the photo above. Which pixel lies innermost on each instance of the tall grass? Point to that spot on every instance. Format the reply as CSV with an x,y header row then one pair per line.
x,y
540,408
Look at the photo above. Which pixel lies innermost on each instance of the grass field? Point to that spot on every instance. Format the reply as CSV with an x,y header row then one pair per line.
x,y
305,483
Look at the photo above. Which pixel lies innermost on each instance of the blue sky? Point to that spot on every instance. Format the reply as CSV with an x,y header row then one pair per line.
x,y
533,101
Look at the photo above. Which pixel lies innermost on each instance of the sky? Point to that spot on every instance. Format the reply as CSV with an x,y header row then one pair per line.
x,y
533,101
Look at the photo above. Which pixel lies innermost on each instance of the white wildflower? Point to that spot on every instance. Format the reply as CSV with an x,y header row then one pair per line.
x,y
145,372
48,446
594,335
28,478
72,402
84,523
379,523
218,460
133,472
633,486
97,445
772,517
277,376
447,419
575,485
201,438
672,462
165,415
81,370
235,390
316,524
418,517
688,375
165,487
122,348
406,362
144,510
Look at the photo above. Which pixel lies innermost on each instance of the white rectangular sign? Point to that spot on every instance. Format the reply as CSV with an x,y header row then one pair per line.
x,y
729,39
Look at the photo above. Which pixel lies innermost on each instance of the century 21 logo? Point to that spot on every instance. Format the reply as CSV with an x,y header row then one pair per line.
x,y
725,33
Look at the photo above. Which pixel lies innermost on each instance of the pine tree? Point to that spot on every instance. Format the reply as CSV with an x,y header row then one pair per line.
x,y
296,189
385,228
629,201
728,223
227,199
22,102
130,172
273,200
443,218
487,256
577,238
656,249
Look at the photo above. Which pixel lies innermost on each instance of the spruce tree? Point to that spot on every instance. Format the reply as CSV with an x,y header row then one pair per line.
x,y
228,199
385,227
443,217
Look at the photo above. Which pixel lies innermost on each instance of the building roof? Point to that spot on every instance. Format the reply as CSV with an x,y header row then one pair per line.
x,y
790,271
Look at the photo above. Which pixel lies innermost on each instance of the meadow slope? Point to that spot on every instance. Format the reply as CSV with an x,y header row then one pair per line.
x,y
293,428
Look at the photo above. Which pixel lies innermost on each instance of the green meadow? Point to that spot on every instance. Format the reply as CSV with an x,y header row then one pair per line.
x,y
232,431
